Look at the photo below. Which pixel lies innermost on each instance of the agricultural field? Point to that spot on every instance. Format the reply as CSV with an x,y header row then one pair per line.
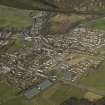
x,y
9,96
15,45
95,79
96,24
12,17
19,43
53,96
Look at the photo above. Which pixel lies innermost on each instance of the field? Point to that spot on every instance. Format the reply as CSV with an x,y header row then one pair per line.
x,y
53,96
92,97
12,17
25,4
96,24
9,96
15,45
95,79
19,43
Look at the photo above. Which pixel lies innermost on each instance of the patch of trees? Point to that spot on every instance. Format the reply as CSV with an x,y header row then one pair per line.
x,y
76,101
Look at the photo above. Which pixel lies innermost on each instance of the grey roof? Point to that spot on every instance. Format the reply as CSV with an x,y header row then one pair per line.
x,y
45,84
67,76
30,93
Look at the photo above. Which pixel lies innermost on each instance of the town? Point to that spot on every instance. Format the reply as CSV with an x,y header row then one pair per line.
x,y
53,57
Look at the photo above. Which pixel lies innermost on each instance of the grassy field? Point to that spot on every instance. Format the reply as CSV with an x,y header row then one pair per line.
x,y
15,45
9,96
57,94
14,17
53,96
92,96
96,79
26,4
66,91
19,43
96,24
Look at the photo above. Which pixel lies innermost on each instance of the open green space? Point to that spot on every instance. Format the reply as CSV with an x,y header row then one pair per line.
x,y
96,24
15,44
9,96
65,91
27,4
95,79
12,17
52,96
57,94
19,43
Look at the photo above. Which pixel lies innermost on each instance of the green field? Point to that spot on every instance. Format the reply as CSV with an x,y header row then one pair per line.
x,y
12,17
96,24
26,4
18,44
53,96
9,96
64,92
95,79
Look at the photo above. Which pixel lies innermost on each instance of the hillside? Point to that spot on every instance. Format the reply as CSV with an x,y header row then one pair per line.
x,y
71,6
28,4
14,17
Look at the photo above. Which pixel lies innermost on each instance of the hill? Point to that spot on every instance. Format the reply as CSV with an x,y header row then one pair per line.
x,y
14,17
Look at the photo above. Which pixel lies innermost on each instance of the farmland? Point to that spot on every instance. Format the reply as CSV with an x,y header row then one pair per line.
x,y
53,96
